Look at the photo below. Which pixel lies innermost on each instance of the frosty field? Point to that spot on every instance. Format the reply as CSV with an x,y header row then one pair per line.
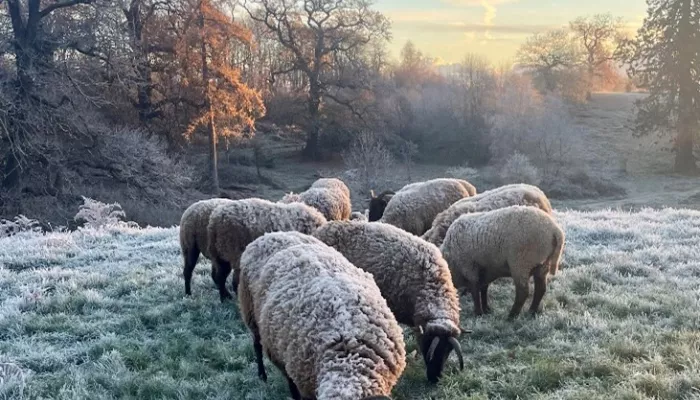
x,y
102,315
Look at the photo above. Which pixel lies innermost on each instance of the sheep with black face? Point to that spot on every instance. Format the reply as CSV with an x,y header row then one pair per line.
x,y
415,206
414,279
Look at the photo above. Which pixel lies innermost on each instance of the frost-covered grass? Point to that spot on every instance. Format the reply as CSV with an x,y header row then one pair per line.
x,y
102,314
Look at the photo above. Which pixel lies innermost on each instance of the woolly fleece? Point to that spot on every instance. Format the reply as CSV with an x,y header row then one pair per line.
x,y
322,321
411,273
415,206
331,202
233,226
512,241
504,196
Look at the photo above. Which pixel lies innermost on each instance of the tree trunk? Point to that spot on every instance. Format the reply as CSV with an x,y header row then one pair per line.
x,y
685,160
11,173
211,126
312,150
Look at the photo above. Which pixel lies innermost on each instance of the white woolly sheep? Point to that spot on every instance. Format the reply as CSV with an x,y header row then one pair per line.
x,y
414,279
233,226
194,236
320,320
515,241
504,196
415,206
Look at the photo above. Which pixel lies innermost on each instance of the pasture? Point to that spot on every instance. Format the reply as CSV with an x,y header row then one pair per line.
x,y
101,314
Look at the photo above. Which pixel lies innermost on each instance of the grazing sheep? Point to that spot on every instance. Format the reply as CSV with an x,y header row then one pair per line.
x,y
330,196
504,196
320,320
377,204
516,241
233,226
413,278
331,183
194,237
415,206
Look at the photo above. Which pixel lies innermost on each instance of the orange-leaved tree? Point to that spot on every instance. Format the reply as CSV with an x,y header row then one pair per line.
x,y
211,82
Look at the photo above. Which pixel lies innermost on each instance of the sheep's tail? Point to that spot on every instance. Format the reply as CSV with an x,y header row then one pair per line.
x,y
558,239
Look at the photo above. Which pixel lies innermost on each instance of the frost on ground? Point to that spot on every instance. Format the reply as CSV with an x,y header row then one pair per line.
x,y
101,314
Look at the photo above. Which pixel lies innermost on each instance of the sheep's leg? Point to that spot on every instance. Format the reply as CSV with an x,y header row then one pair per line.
x,y
236,268
257,346
540,288
485,298
476,297
223,269
522,291
191,256
293,389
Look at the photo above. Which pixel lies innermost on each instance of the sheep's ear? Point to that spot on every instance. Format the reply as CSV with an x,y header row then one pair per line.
x,y
371,192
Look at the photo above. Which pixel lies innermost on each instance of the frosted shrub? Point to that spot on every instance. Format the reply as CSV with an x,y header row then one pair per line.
x,y
463,172
97,215
519,169
19,224
369,160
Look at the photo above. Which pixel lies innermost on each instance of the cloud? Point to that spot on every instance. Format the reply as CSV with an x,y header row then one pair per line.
x,y
461,27
489,12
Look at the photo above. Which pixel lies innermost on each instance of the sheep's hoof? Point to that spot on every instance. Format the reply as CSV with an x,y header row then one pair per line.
x,y
263,376
487,310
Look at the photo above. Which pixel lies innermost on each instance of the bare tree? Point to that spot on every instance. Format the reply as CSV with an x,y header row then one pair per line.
x,y
600,36
315,31
548,52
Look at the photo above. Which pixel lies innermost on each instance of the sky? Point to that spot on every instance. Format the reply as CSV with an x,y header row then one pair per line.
x,y
449,29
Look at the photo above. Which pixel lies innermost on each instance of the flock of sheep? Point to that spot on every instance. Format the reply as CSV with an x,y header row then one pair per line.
x,y
323,290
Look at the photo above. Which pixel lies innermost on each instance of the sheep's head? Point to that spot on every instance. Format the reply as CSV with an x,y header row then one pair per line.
x,y
436,349
377,204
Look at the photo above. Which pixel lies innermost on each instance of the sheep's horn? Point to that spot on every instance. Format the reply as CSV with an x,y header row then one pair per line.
x,y
431,349
458,349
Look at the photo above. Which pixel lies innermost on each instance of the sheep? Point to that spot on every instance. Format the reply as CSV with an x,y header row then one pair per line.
x,y
415,206
504,196
516,241
194,237
377,204
330,196
321,321
414,279
233,226
331,183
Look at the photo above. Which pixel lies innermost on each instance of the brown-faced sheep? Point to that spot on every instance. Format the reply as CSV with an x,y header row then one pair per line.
x,y
320,320
515,241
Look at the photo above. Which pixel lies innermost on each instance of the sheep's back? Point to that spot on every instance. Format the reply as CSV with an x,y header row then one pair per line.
x,y
415,208
314,302
194,222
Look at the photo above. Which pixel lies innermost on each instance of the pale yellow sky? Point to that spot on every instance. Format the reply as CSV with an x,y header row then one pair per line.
x,y
450,29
